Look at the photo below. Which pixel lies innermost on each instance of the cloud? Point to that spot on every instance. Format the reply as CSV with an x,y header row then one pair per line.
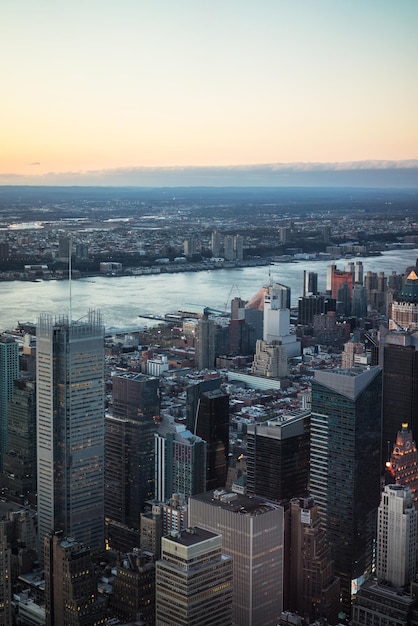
x,y
35,163
372,173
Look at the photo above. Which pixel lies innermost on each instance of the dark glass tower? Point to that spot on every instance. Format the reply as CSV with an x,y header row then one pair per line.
x,y
345,467
213,427
130,447
278,457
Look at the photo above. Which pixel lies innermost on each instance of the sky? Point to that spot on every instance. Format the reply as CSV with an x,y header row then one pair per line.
x,y
104,90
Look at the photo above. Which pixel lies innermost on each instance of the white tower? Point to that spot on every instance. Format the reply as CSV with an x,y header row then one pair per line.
x,y
276,321
396,536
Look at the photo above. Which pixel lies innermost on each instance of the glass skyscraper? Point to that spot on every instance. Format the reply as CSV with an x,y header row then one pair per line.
x,y
70,428
345,467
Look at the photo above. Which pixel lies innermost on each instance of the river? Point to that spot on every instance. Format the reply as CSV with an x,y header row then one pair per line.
x,y
122,299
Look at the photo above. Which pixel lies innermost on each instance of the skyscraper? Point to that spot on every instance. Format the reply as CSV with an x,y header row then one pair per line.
x,y
345,467
180,461
212,426
19,464
278,456
205,343
396,536
9,371
403,464
130,447
398,355
252,532
276,321
70,428
71,597
193,580
314,590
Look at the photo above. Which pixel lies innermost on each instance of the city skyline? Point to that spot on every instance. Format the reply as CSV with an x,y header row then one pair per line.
x,y
112,96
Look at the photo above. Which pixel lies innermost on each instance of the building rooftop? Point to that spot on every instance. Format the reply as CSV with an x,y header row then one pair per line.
x,y
409,292
190,536
237,503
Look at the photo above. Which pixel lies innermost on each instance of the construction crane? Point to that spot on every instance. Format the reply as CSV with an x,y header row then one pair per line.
x,y
229,297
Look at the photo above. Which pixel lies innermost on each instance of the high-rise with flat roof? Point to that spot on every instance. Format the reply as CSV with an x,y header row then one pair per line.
x,y
70,428
396,536
193,580
130,447
252,532
345,467
9,371
212,425
278,456
71,597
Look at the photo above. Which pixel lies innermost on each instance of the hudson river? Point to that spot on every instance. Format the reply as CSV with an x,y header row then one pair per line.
x,y
122,299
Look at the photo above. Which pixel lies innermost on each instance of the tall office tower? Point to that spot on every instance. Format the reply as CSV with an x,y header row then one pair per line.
x,y
270,360
133,590
276,323
359,302
396,536
71,597
229,248
358,272
314,590
19,464
130,447
241,337
308,306
239,247
213,427
193,580
344,296
205,343
252,532
215,244
402,468
310,283
398,355
338,278
193,392
70,428
376,288
278,456
405,305
330,270
9,371
345,467
180,461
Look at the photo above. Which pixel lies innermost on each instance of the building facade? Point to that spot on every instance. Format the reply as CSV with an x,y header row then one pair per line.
x,y
345,467
252,532
396,536
278,456
130,447
70,428
193,580
9,371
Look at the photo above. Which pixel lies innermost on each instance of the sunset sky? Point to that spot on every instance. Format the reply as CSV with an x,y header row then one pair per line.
x,y
96,85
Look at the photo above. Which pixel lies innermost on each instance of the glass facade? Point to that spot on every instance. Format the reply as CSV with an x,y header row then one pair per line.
x,y
345,482
70,428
